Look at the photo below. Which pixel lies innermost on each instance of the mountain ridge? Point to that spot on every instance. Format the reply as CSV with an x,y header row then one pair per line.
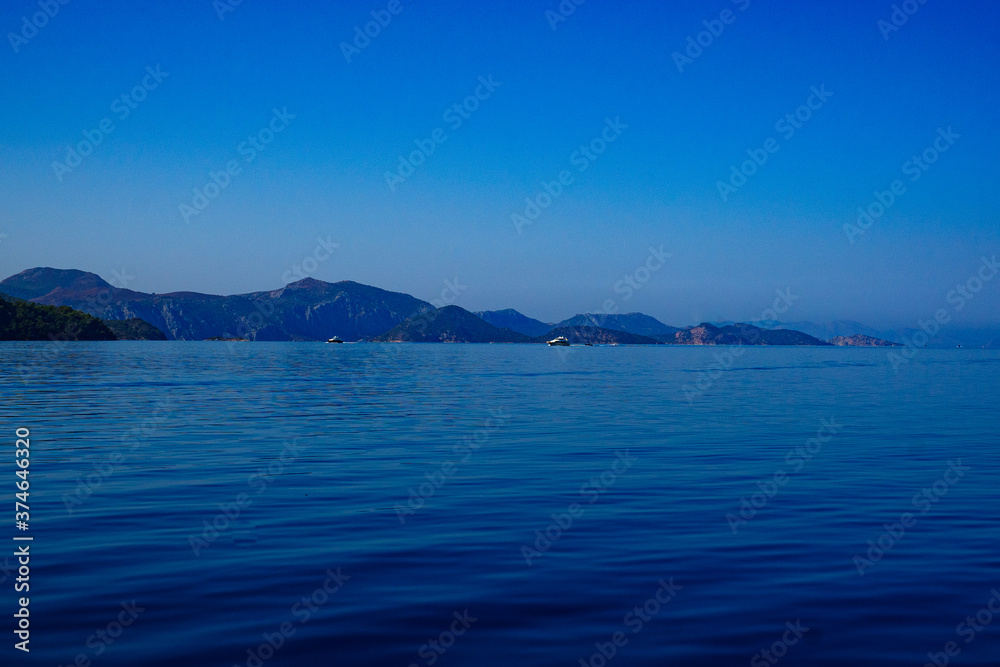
x,y
307,309
310,309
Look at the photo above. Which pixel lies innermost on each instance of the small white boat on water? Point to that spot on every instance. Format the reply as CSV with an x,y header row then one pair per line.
x,y
559,340
334,340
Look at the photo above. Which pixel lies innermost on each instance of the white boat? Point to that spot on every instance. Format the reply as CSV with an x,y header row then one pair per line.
x,y
334,340
559,340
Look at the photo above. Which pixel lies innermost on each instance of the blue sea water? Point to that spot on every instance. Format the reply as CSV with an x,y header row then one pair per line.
x,y
304,504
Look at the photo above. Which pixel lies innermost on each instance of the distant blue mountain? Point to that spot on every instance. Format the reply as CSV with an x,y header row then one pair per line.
x,y
636,323
949,335
308,309
828,330
515,321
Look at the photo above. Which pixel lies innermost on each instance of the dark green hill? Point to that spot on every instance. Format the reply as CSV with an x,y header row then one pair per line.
x,y
450,324
135,329
22,320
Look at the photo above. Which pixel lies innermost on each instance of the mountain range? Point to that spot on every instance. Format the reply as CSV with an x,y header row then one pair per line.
x,y
304,310
314,310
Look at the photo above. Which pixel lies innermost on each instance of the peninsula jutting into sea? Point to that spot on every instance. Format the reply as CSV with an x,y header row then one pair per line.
x,y
57,301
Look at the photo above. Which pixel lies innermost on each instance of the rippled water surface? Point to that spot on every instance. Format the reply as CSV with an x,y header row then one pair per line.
x,y
504,505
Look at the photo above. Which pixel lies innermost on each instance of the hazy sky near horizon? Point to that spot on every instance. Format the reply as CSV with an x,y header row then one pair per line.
x,y
608,68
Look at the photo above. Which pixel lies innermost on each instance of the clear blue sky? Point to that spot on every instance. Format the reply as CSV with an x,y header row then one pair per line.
x,y
324,174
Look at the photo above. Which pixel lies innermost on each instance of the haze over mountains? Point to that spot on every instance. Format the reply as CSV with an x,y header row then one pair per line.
x,y
311,310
